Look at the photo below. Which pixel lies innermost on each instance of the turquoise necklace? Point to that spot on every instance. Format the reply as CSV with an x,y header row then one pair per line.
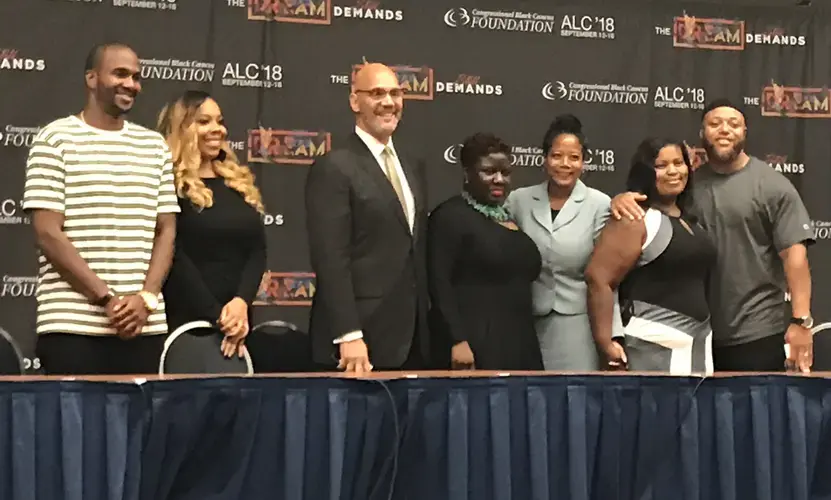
x,y
495,212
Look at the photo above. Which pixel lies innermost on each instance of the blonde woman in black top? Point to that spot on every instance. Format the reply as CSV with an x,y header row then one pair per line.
x,y
220,242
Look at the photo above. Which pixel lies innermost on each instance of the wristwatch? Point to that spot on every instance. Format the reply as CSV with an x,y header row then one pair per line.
x,y
103,301
804,322
151,302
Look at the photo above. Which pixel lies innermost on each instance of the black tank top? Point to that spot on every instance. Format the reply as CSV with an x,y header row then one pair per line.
x,y
678,277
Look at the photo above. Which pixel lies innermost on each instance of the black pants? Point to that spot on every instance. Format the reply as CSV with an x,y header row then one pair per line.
x,y
71,354
763,355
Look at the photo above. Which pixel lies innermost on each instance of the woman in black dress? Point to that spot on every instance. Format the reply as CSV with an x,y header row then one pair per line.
x,y
662,266
220,240
480,268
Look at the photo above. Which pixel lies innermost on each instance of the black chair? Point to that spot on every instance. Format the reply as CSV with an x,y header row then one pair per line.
x,y
822,347
11,358
194,348
279,347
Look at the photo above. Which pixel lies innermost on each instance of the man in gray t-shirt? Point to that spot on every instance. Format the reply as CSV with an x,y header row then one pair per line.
x,y
761,229
752,215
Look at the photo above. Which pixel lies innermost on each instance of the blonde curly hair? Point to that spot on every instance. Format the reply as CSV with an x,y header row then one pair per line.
x,y
176,124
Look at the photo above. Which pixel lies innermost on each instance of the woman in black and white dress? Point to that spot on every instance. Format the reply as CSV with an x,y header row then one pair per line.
x,y
661,266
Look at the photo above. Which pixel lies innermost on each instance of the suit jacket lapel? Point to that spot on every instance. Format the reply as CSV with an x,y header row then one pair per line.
x,y
541,209
370,165
572,205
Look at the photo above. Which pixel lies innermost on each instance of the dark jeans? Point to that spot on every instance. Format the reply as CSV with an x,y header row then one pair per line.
x,y
72,354
763,355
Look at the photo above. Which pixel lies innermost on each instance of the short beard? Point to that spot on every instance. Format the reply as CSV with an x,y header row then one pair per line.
x,y
115,111
730,157
109,106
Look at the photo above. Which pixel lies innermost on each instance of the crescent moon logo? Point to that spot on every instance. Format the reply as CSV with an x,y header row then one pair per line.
x,y
548,92
450,18
456,17
451,154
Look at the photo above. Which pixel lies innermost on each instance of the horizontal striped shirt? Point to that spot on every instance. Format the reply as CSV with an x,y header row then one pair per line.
x,y
110,186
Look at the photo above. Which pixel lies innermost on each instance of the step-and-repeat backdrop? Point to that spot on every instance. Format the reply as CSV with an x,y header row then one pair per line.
x,y
627,68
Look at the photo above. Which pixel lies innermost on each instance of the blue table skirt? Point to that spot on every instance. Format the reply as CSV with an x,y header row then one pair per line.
x,y
503,438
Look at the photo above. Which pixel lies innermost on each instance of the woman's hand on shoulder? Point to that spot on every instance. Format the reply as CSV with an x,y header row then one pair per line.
x,y
627,206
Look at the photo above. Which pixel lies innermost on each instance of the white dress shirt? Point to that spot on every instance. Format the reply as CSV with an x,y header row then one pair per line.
x,y
377,149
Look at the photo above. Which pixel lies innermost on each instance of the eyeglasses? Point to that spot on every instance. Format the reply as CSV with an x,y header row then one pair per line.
x,y
379,94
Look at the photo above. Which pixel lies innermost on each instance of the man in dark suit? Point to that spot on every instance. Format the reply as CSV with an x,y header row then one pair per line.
x,y
366,221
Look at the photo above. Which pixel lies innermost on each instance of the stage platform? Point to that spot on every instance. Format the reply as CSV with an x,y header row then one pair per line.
x,y
426,436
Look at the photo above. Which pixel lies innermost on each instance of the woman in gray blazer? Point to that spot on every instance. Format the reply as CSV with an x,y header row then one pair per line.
x,y
564,217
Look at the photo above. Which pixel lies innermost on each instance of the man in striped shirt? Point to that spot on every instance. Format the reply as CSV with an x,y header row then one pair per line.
x,y
103,204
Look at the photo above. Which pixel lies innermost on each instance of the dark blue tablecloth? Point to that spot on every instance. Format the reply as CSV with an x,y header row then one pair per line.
x,y
511,438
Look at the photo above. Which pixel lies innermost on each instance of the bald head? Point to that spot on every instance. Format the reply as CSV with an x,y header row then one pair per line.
x,y
369,72
377,100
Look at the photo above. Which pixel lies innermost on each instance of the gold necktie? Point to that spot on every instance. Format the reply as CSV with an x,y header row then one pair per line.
x,y
395,180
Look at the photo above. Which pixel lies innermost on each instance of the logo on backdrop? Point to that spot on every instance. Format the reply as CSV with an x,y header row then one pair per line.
x,y
605,93
13,136
146,4
12,213
588,27
134,4
18,286
469,84
177,70
795,102
13,60
273,219
290,11
822,229
527,156
521,156
316,11
775,36
781,164
499,20
237,146
679,98
451,154
702,33
368,9
724,34
263,76
417,81
286,289
290,147
599,160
